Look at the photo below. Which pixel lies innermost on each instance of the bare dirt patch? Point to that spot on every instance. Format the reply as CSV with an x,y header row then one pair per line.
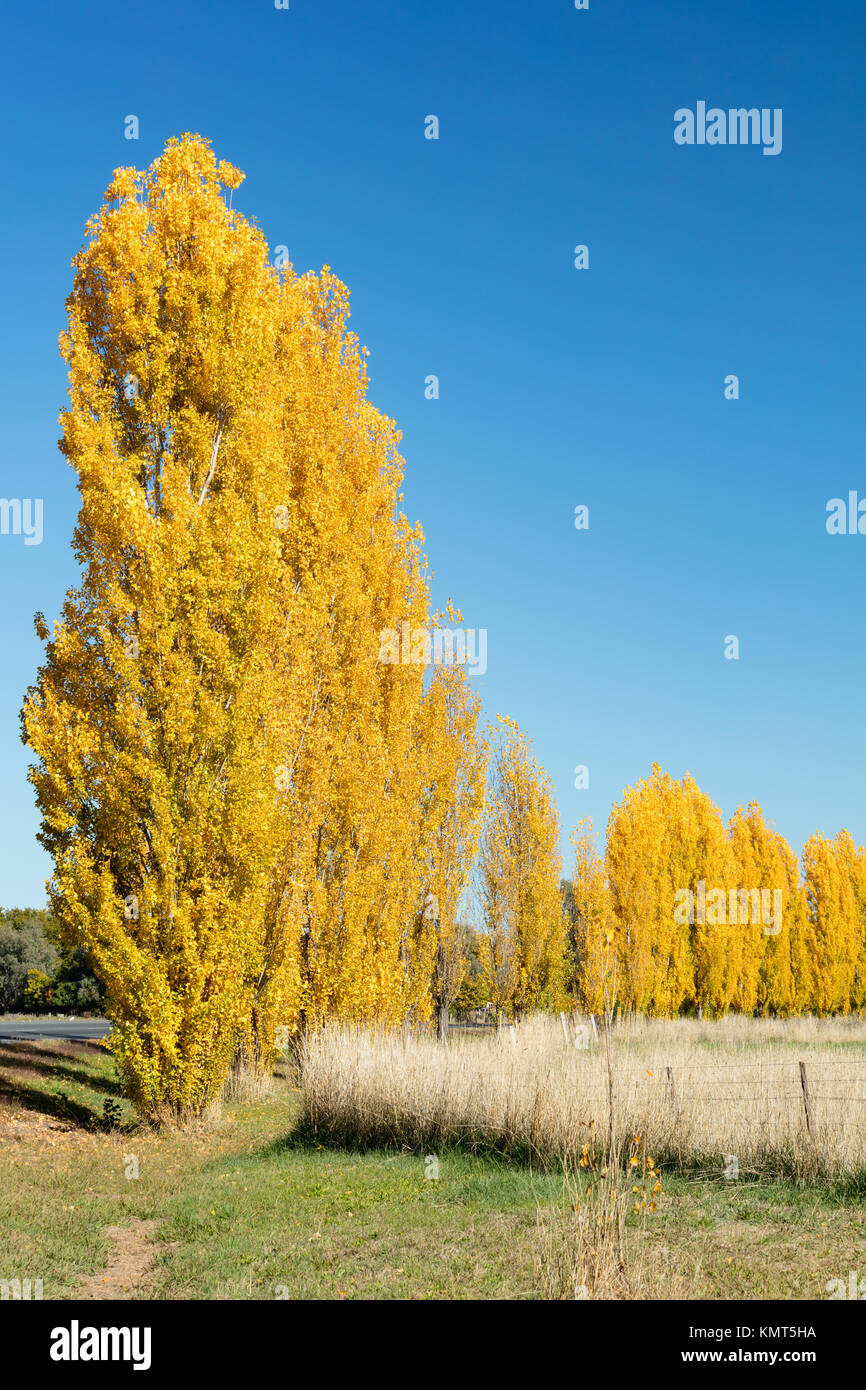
x,y
130,1267
32,1126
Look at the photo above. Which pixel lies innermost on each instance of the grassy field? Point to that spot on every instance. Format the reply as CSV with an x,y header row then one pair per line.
x,y
696,1092
256,1206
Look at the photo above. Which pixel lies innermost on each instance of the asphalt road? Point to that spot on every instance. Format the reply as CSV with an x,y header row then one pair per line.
x,y
65,1029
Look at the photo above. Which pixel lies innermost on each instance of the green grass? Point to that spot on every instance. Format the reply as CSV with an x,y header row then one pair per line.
x,y
66,1081
252,1206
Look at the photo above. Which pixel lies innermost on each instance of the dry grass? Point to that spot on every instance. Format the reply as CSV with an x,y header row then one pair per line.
x,y
702,1095
247,1083
583,1249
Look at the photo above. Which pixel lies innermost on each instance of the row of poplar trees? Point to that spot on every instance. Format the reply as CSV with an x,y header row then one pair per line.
x,y
633,945
249,812
258,824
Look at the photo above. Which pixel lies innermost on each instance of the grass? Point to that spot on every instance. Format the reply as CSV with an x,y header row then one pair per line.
x,y
695,1091
256,1207
247,1207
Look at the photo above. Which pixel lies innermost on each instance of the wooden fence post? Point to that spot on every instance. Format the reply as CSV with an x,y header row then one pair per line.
x,y
564,1022
807,1099
672,1091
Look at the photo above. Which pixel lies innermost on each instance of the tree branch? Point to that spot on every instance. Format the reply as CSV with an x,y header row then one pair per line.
x,y
213,459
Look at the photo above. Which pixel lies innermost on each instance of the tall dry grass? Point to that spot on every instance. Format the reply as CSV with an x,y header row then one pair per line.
x,y
700,1094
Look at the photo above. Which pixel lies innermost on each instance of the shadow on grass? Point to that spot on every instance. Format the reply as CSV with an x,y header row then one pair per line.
x,y
59,1064
59,1106
298,1139
307,1138
49,1066
34,1047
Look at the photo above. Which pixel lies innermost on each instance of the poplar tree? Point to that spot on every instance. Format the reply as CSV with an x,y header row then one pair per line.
x,y
158,713
450,816
834,919
648,862
523,948
347,884
226,771
591,922
769,963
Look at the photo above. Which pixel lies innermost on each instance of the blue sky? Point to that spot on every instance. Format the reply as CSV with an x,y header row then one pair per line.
x,y
558,387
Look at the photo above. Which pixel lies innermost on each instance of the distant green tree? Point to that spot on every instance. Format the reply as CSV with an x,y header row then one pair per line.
x,y
37,973
24,947
473,992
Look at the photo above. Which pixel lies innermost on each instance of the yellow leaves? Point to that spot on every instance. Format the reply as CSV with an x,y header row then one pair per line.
x,y
520,871
206,650
833,872
665,838
228,175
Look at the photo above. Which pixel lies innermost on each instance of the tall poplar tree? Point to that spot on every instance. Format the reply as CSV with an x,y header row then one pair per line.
x,y
226,771
523,947
156,718
591,982
834,919
451,812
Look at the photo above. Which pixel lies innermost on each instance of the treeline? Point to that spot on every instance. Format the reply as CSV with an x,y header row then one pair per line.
x,y
37,974
679,913
686,913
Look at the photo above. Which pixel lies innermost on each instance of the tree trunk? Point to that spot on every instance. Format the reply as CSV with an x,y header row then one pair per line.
x,y
442,1022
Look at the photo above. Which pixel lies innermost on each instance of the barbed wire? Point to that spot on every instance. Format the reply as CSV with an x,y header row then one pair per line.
x,y
758,1066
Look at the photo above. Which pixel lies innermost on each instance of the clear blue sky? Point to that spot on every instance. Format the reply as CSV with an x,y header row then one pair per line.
x,y
558,387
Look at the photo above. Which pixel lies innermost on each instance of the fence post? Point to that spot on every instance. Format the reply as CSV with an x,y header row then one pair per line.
x,y
594,1029
564,1022
807,1099
672,1091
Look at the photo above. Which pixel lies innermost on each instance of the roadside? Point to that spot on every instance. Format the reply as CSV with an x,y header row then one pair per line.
x,y
24,1027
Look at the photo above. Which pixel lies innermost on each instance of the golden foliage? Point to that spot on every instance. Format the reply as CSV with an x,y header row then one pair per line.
x,y
244,805
523,943
717,918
